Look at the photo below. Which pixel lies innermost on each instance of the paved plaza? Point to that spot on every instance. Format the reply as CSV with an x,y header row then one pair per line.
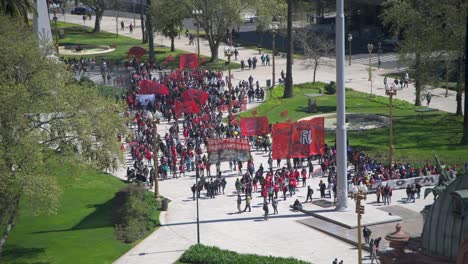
x,y
288,234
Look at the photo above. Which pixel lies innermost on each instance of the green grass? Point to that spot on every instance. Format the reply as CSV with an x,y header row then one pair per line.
x,y
77,34
200,254
81,231
416,134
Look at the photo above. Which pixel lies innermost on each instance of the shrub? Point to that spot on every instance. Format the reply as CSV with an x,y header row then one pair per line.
x,y
330,88
200,254
135,212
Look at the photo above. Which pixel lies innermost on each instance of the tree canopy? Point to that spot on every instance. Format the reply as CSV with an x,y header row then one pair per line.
x,y
43,112
169,17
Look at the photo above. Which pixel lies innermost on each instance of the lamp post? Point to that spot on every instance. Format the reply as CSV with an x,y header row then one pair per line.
x,y
228,51
350,39
155,121
359,194
379,51
197,13
370,47
134,13
274,29
390,91
197,175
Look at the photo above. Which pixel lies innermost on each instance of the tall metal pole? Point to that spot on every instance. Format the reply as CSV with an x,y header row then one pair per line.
x,y
198,43
341,155
197,174
229,86
358,211
134,13
391,128
117,24
273,58
350,52
155,158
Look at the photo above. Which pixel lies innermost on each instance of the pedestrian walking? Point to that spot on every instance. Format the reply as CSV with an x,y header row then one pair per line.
x,y
247,203
428,98
122,25
275,206
310,192
239,203
366,233
265,209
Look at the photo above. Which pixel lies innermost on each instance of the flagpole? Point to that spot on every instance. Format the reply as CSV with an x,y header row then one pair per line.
x,y
341,149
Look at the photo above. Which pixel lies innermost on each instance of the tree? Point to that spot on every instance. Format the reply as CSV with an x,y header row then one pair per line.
x,y
218,17
98,6
169,17
424,31
315,46
269,11
17,8
288,82
45,112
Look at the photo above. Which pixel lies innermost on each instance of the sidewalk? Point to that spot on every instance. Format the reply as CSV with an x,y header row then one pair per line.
x,y
356,75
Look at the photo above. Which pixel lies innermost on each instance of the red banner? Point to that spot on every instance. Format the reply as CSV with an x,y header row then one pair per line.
x,y
150,87
228,149
188,61
254,126
196,95
298,140
188,107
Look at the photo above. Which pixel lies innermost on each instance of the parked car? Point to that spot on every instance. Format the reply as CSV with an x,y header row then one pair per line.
x,y
81,10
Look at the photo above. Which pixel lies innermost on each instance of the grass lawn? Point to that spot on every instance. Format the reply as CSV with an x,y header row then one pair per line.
x,y
77,34
81,231
416,134
201,254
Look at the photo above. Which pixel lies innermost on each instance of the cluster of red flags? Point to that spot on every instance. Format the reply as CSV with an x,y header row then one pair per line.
x,y
150,87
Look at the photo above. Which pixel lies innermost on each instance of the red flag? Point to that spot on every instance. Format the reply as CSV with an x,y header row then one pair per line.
x,y
284,113
188,107
188,61
254,112
170,58
150,87
197,95
299,139
254,126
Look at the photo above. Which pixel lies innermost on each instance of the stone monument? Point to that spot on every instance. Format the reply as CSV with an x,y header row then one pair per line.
x,y
41,27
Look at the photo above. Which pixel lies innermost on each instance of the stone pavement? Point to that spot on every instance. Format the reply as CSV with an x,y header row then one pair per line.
x,y
220,224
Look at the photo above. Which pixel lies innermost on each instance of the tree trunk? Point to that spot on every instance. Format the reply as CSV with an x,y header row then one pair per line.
x,y
144,37
214,50
288,84
459,86
315,69
464,140
9,226
149,29
172,43
97,22
418,84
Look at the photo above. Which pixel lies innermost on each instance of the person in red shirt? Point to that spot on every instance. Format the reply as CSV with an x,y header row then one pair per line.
x,y
276,190
285,190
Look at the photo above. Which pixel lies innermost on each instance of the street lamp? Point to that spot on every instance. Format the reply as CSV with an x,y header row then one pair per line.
x,y
350,39
391,91
197,175
274,29
228,51
359,194
379,51
197,13
370,47
155,121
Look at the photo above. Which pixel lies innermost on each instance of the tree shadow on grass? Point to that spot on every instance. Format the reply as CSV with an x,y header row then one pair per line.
x,y
20,255
99,218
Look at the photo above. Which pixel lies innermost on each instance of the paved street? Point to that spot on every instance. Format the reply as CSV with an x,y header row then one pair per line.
x,y
220,224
